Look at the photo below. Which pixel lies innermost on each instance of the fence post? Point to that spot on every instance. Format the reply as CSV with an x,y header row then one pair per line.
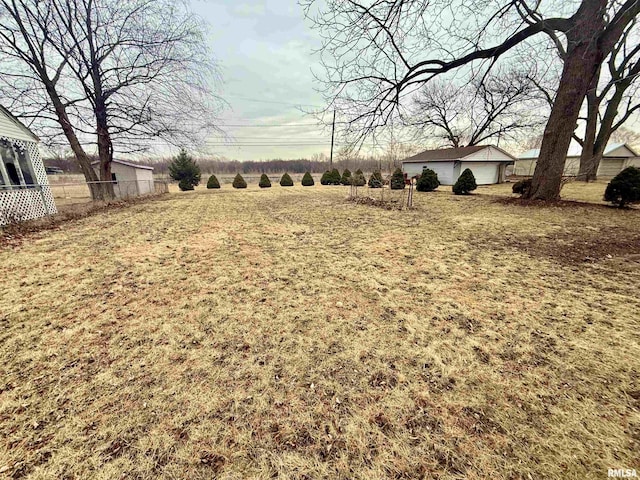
x,y
44,200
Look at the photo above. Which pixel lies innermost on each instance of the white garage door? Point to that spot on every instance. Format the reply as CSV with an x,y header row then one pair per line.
x,y
444,171
485,173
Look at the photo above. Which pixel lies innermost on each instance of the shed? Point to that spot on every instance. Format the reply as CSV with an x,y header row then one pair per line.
x,y
616,157
487,162
130,179
24,189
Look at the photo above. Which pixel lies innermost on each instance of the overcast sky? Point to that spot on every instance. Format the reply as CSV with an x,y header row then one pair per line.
x,y
265,52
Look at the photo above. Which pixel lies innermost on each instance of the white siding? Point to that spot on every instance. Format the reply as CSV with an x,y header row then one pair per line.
x,y
524,167
486,173
488,154
633,162
443,169
10,129
145,181
610,167
131,181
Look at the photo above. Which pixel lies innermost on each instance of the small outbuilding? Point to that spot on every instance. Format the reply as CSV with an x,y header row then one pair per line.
x,y
616,157
487,162
130,179
24,189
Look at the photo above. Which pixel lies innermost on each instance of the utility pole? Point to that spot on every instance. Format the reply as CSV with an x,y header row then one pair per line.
x,y
333,129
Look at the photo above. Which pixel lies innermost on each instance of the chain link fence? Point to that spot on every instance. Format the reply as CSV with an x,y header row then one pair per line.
x,y
79,192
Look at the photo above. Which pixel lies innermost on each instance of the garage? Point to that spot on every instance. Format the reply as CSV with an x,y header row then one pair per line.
x,y
487,162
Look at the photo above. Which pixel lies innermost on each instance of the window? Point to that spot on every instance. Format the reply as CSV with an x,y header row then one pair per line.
x,y
113,178
13,173
15,167
25,165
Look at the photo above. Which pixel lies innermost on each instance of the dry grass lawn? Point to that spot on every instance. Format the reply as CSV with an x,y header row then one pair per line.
x,y
289,333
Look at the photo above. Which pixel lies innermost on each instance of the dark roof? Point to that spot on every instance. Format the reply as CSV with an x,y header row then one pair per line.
x,y
443,154
128,164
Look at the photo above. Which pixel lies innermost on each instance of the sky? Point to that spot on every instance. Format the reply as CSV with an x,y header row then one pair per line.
x,y
265,53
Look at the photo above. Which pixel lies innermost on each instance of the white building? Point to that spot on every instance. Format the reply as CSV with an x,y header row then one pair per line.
x,y
130,179
617,157
24,188
487,162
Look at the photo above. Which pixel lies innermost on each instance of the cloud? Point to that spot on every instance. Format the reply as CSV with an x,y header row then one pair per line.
x,y
249,9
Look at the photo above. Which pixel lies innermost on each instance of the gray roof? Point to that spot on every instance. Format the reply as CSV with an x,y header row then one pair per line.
x,y
575,151
128,164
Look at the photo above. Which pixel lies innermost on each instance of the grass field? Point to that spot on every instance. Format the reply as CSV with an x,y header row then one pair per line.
x,y
289,333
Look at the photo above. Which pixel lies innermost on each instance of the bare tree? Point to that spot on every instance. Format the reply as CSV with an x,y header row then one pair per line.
x,y
33,75
499,107
626,135
614,104
612,99
135,72
373,55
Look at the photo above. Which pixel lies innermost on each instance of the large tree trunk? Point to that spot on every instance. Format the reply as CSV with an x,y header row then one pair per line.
x,y
81,156
584,56
105,150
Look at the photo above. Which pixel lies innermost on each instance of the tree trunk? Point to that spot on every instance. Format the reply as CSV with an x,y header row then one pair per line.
x,y
588,166
607,124
81,156
581,63
105,150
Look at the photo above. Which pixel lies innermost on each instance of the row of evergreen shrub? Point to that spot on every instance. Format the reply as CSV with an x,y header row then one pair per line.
x,y
333,177
239,182
427,182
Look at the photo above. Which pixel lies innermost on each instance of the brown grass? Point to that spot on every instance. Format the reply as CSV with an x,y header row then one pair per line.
x,y
289,333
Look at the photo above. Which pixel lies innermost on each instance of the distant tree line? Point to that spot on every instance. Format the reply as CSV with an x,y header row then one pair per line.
x,y
297,166
224,166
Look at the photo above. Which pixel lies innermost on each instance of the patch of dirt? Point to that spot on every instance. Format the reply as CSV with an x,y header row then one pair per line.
x,y
523,202
573,247
386,204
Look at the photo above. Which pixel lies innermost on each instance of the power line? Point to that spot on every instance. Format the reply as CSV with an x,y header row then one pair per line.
x,y
230,145
270,126
259,100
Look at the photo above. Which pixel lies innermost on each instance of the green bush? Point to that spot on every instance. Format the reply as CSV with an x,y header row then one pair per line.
x,y
624,188
428,181
335,177
185,171
465,184
346,177
213,182
307,180
286,181
375,180
522,187
397,180
264,181
185,185
358,179
326,178
239,182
